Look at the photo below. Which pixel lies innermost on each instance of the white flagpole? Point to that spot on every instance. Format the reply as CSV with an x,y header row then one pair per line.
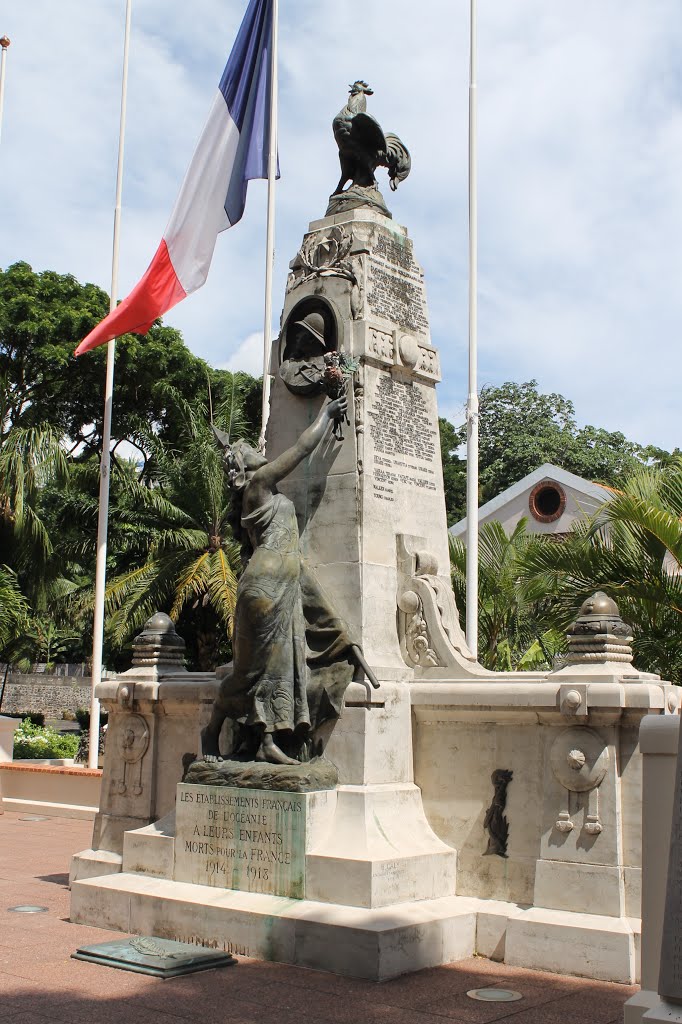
x,y
472,400
270,238
4,44
105,463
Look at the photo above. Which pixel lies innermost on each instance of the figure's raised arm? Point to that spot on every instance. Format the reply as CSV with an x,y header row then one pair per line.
x,y
270,474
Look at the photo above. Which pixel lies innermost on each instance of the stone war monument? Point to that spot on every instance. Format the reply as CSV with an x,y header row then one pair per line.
x,y
354,792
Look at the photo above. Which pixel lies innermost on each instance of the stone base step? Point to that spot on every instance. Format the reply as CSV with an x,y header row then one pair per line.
x,y
356,942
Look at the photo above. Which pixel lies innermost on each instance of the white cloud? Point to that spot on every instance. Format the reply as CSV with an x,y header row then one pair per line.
x,y
580,144
248,356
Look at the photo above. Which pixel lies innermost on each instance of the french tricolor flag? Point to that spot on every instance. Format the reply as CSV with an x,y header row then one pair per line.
x,y
232,149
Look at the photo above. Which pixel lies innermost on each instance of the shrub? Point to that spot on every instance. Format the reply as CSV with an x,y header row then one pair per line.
x,y
34,717
83,718
35,741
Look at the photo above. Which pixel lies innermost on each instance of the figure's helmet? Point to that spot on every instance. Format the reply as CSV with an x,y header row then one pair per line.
x,y
313,323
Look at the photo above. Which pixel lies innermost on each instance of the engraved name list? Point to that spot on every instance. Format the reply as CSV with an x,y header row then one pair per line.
x,y
403,438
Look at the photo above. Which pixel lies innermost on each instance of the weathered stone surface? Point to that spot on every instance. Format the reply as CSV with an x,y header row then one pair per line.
x,y
319,773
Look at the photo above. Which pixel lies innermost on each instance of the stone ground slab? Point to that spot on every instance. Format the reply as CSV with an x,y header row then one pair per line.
x,y
40,983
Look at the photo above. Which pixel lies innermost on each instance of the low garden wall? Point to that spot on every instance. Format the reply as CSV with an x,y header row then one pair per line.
x,y
49,694
56,791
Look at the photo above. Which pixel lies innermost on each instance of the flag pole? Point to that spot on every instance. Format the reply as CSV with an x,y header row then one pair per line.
x,y
4,44
105,462
472,400
270,237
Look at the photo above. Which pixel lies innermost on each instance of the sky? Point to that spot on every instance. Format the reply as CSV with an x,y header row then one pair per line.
x,y
579,174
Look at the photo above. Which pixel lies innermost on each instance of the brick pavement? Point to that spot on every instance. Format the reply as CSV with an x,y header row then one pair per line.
x,y
40,983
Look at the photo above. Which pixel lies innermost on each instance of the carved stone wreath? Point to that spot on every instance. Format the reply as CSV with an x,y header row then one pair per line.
x,y
329,256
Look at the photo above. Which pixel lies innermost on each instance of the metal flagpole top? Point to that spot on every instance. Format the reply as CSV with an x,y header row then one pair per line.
x,y
4,42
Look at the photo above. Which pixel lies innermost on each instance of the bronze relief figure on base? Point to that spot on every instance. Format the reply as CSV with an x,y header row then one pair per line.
x,y
293,656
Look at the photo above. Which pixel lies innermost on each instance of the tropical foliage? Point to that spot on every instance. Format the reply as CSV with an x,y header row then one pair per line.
x,y
520,625
189,561
13,610
631,549
169,539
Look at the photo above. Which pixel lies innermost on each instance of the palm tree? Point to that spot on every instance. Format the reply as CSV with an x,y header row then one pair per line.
x,y
520,627
172,528
31,458
632,549
13,610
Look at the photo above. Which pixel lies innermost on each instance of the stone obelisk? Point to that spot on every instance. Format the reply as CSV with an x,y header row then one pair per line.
x,y
373,507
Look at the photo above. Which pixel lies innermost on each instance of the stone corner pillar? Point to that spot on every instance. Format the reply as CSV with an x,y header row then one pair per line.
x,y
156,711
8,727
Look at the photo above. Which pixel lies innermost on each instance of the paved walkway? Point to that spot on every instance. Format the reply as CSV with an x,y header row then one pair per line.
x,y
40,983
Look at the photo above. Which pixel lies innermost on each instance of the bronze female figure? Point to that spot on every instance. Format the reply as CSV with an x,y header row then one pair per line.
x,y
293,657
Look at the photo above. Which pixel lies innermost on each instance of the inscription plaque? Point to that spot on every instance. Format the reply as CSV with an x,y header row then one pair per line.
x,y
404,439
396,287
248,839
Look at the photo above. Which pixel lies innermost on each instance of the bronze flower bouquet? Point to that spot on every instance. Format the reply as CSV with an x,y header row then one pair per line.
x,y
338,370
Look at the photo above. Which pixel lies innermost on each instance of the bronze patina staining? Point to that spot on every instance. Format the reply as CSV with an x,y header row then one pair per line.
x,y
495,820
363,147
293,656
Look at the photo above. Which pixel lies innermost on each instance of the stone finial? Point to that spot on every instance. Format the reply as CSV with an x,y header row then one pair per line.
x,y
158,644
599,635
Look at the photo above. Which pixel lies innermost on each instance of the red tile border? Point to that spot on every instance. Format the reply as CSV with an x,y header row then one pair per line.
x,y
53,769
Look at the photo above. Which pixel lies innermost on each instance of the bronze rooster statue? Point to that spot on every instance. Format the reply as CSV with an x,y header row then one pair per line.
x,y
362,148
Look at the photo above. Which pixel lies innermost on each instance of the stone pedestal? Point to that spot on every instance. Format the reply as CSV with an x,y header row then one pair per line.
x,y
658,738
378,885
379,848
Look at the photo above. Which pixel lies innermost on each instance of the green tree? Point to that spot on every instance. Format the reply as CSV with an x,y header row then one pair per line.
x,y
13,611
519,624
520,428
174,526
454,472
31,458
43,316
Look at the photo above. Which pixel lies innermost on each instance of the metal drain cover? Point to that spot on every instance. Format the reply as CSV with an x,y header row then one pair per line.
x,y
27,908
34,817
494,995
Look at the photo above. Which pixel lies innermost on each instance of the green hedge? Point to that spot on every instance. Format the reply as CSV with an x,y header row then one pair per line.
x,y
35,741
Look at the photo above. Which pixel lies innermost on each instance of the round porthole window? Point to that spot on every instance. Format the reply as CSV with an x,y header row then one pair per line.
x,y
547,501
